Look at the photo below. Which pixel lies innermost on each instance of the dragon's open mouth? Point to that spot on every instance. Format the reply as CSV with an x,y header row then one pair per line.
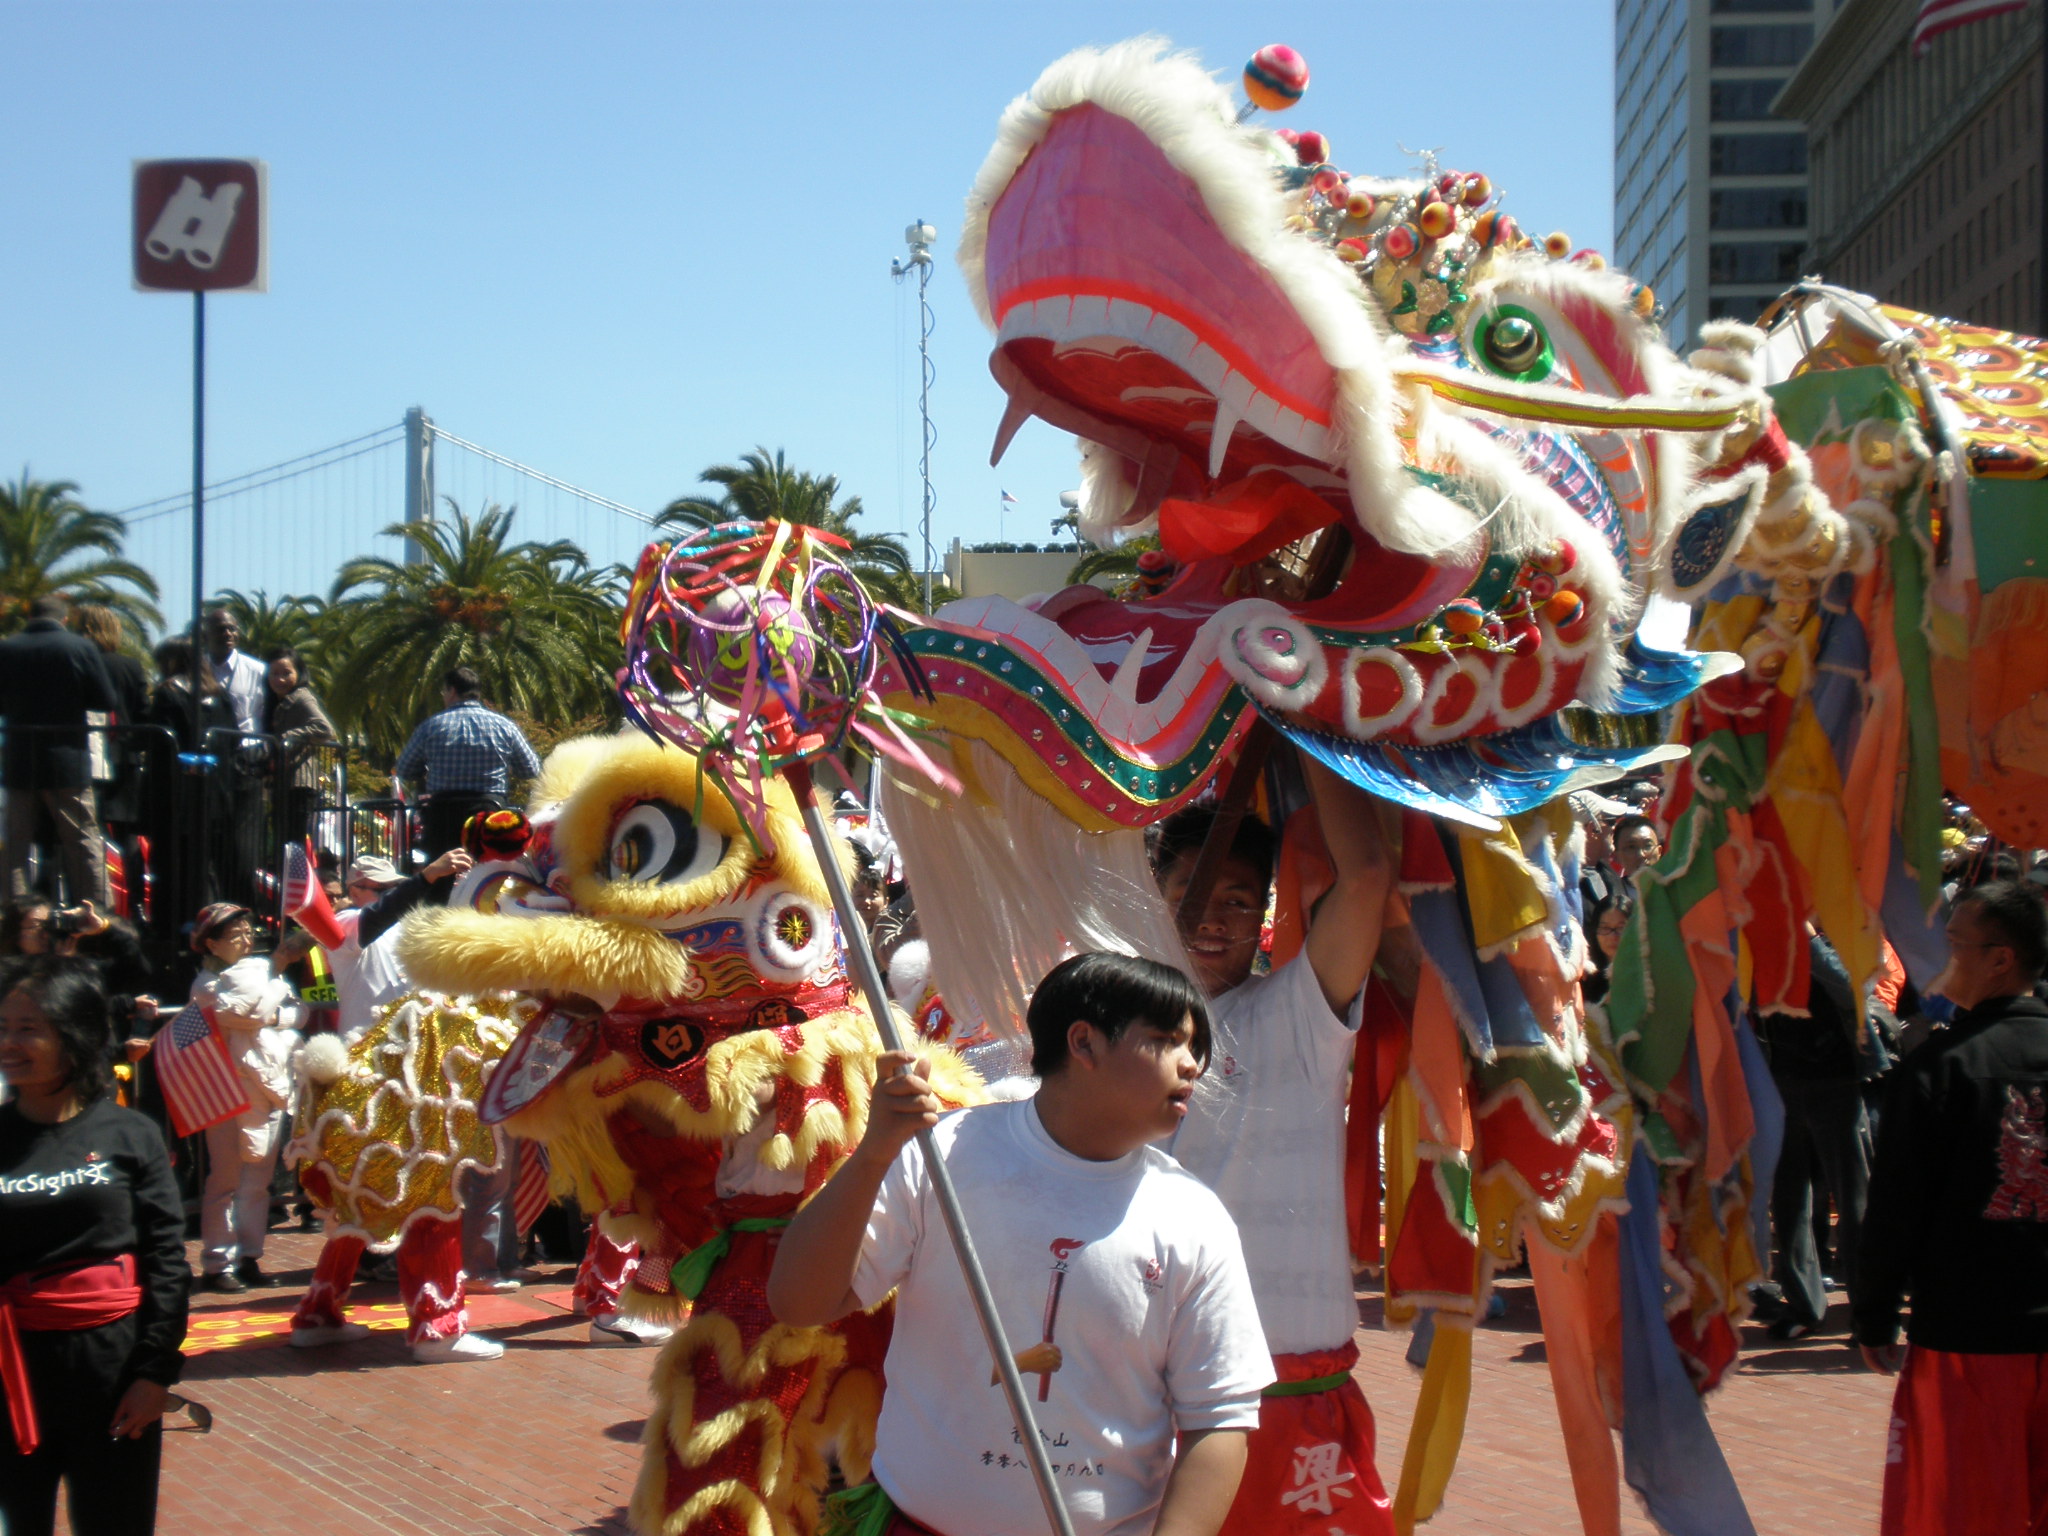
x,y
1123,314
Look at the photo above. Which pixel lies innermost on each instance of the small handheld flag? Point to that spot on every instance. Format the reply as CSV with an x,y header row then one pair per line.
x,y
200,1083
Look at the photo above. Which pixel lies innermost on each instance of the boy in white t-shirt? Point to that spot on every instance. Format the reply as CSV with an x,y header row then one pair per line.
x,y
1118,1277
1266,1133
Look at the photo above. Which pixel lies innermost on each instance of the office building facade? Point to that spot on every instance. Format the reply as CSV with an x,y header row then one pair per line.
x,y
1710,189
1926,170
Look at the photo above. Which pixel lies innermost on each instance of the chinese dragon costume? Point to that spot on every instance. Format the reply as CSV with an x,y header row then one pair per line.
x,y
1417,483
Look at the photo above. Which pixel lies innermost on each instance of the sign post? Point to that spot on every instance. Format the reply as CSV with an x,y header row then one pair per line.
x,y
200,228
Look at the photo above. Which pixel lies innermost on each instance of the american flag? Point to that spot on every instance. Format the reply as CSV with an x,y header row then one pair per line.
x,y
530,1195
200,1083
299,884
1939,16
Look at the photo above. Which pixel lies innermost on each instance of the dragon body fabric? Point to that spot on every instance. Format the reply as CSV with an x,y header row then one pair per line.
x,y
693,1059
1412,487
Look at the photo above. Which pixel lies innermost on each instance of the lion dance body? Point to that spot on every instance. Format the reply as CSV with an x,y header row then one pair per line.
x,y
696,1062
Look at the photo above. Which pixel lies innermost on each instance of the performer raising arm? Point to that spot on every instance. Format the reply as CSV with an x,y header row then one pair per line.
x,y
1125,1271
1266,1133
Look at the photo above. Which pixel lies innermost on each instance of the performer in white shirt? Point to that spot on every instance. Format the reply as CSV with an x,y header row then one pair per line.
x,y
1266,1133
1120,1274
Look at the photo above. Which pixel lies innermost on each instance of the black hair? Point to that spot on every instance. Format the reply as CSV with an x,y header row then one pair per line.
x,y
17,914
69,993
1185,831
1112,992
51,605
290,654
2016,915
1626,824
462,682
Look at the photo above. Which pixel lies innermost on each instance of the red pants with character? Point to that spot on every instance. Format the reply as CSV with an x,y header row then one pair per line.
x,y
1968,1449
1309,1465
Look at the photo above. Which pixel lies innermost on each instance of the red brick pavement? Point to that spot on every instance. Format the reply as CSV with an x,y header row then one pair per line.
x,y
354,1439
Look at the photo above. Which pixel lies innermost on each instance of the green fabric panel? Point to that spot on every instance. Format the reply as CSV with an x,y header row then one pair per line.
x,y
2009,525
1457,1179
1662,1140
1828,401
1920,816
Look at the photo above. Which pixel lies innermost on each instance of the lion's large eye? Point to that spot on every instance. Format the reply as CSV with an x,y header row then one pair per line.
x,y
1514,344
655,843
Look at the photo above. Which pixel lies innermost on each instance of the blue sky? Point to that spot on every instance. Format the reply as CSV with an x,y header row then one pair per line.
x,y
621,242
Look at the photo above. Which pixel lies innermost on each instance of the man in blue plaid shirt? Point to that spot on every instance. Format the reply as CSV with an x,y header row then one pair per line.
x,y
468,754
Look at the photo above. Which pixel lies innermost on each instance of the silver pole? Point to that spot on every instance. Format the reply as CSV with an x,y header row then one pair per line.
x,y
919,238
870,978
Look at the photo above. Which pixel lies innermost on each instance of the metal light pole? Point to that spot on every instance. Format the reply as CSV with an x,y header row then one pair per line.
x,y
919,238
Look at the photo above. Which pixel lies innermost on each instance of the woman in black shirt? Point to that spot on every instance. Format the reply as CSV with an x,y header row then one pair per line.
x,y
93,1277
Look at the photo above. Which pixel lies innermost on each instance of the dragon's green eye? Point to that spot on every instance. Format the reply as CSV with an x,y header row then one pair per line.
x,y
1513,344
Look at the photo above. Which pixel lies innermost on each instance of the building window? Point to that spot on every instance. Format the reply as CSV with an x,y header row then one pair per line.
x,y
1761,7
1757,208
1733,47
1774,262
1744,307
1757,154
1743,101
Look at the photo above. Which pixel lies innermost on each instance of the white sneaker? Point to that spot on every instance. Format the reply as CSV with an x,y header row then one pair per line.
x,y
317,1335
460,1350
637,1332
500,1285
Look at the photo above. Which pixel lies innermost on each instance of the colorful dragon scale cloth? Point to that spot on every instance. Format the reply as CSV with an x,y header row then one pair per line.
x,y
1411,473
693,1058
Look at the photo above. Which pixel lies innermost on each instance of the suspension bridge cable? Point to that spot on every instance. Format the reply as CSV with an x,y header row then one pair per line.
x,y
443,436
228,485
184,504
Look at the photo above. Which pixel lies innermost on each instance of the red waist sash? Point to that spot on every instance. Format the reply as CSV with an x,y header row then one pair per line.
x,y
59,1301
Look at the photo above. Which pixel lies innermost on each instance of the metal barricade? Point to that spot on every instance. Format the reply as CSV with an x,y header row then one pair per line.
x,y
178,825
85,810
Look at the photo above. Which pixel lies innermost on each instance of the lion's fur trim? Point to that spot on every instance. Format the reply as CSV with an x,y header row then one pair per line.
x,y
787,1499
457,951
571,1118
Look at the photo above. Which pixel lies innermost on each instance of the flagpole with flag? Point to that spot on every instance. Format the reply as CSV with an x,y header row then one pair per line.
x,y
1939,16
1007,501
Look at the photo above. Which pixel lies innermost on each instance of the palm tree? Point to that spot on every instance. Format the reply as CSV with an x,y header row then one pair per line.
x,y
538,623
1119,561
292,621
761,487
52,542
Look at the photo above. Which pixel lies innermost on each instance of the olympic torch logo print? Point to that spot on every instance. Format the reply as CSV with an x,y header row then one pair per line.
x,y
1048,1353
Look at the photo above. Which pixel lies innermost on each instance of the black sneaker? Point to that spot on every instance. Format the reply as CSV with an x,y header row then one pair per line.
x,y
251,1274
1786,1329
226,1282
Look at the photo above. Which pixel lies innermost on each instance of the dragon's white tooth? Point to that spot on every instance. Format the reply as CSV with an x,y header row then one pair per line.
x,y
1124,684
1219,438
1015,414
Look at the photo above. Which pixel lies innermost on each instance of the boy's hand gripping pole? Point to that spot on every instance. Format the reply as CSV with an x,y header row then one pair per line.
x,y
870,978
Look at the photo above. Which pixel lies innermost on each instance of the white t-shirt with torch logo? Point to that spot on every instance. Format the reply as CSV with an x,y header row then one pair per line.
x,y
1131,1268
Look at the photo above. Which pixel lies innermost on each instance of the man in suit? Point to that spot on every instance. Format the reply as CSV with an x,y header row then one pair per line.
x,y
49,678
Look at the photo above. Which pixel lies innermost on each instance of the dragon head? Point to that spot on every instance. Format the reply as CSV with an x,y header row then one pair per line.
x,y
1412,473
